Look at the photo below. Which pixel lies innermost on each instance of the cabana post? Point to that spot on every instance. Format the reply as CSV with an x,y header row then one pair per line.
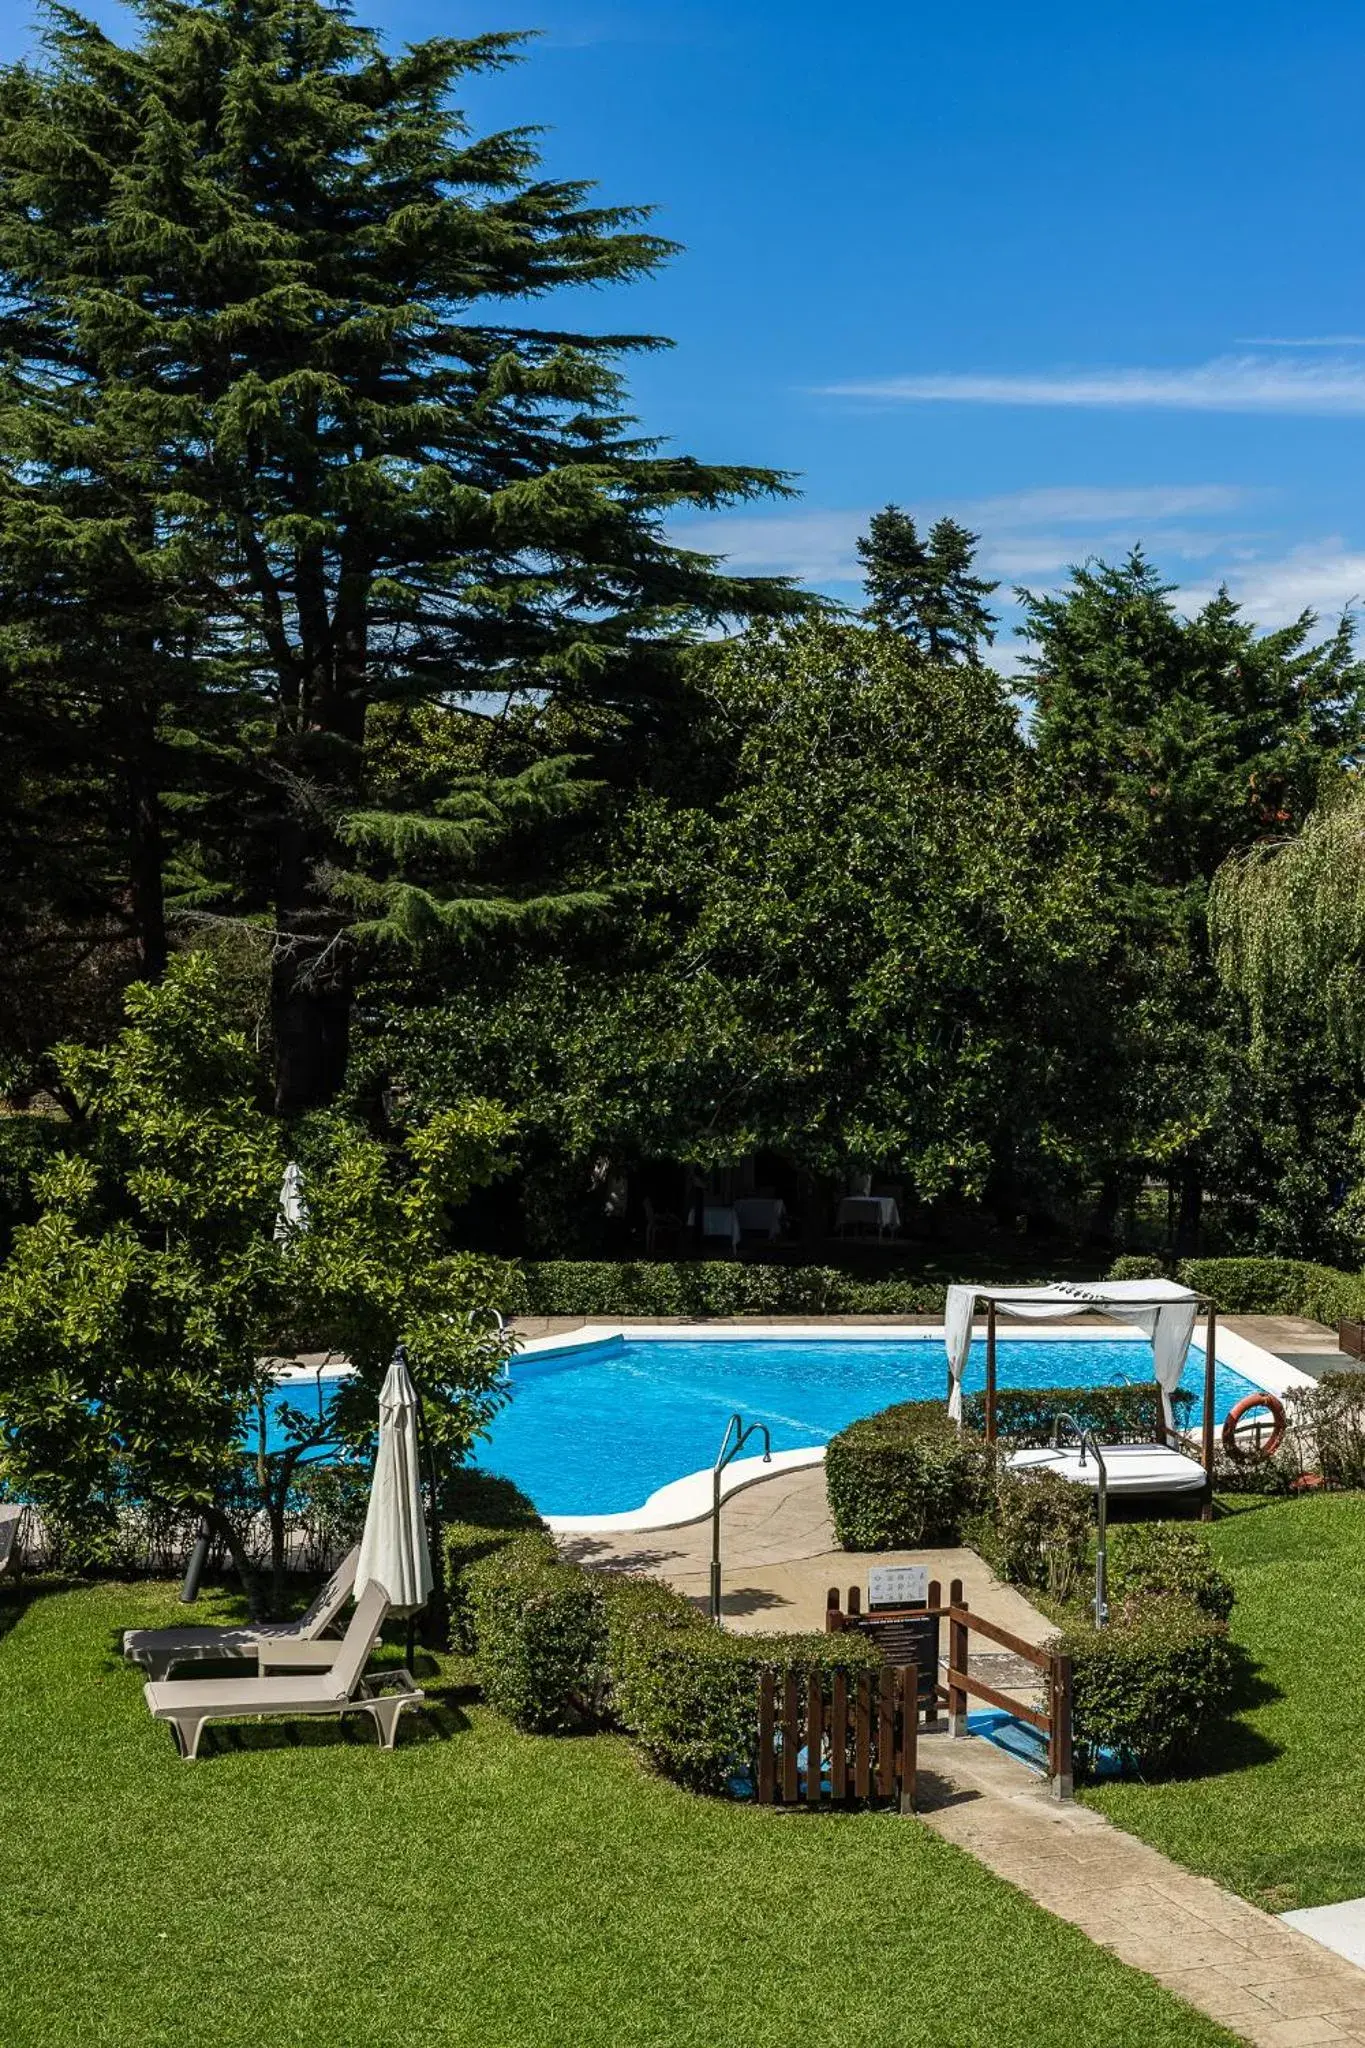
x,y
990,1372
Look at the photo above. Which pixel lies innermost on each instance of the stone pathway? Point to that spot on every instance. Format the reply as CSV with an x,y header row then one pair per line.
x,y
1267,1982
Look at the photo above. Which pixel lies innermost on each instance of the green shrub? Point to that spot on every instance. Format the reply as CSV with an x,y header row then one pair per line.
x,y
483,1514
1278,1287
1038,1532
1025,1416
1138,1266
1326,1431
1150,1560
631,1603
689,1695
1154,1686
540,1636
720,1288
904,1477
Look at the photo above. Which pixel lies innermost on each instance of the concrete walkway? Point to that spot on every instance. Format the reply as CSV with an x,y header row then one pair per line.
x,y
1267,1982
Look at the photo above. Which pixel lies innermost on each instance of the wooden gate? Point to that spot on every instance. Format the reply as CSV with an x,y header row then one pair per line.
x,y
857,1746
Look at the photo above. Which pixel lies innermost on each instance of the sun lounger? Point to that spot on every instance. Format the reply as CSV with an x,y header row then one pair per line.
x,y
159,1650
189,1703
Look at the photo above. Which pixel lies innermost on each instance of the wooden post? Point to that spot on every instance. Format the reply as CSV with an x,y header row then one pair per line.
x,y
909,1759
957,1659
815,1739
838,1737
931,1701
767,1788
990,1372
1210,1351
791,1739
834,1620
886,1732
1059,1767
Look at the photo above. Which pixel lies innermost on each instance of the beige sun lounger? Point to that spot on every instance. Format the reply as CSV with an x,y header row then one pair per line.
x,y
188,1703
159,1650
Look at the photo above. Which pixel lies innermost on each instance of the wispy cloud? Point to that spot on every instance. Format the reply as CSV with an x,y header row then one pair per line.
x,y
1231,384
1325,576
1024,533
1301,341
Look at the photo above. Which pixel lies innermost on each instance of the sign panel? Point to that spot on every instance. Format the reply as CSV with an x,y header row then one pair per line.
x,y
898,1585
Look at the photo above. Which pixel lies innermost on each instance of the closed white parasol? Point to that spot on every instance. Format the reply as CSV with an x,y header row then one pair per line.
x,y
393,1549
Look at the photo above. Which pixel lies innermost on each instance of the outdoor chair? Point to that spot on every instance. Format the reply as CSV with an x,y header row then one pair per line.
x,y
159,1650
188,1704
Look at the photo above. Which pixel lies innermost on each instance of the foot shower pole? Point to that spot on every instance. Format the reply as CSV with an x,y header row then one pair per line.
x,y
736,1435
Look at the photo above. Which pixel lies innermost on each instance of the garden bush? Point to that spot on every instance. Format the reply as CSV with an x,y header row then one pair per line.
x,y
1278,1287
704,1288
1326,1431
1155,1686
905,1477
1150,1560
540,1636
689,1695
1037,1532
1118,1415
1138,1266
483,1514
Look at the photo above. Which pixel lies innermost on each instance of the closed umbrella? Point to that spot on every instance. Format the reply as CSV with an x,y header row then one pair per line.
x,y
292,1213
393,1549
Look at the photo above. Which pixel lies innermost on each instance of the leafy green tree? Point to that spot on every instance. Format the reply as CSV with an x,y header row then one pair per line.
x,y
925,590
263,285
139,1311
851,953
1176,742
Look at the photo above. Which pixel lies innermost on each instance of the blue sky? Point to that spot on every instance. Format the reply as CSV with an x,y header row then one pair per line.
x,y
1080,275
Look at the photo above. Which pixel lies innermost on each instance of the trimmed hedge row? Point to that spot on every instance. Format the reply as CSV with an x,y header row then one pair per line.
x,y
714,1287
905,1477
1278,1287
483,1514
1155,1686
1025,1416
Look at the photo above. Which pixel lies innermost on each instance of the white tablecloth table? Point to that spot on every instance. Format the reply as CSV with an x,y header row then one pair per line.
x,y
763,1215
717,1220
868,1212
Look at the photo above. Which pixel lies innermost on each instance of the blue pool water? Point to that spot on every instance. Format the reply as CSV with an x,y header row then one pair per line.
x,y
598,1429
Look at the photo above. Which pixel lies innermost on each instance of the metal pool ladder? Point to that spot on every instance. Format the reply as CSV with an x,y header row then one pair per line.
x,y
737,1434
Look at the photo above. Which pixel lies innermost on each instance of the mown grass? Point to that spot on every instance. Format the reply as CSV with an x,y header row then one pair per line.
x,y
477,1888
1280,1817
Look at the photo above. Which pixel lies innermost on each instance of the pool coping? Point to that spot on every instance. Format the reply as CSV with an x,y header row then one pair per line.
x,y
689,1498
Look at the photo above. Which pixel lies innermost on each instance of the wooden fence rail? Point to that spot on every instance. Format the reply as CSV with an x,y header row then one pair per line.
x,y
914,1631
860,1744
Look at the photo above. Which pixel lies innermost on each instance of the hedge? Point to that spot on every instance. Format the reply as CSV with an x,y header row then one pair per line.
x,y
904,1477
1025,1415
1037,1532
701,1288
1278,1287
1154,1686
1151,1560
539,1636
689,1695
483,1514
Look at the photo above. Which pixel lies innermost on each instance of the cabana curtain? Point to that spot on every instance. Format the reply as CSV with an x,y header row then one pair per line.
x,y
1162,1309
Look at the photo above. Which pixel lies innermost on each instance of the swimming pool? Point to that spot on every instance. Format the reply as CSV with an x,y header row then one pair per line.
x,y
597,1428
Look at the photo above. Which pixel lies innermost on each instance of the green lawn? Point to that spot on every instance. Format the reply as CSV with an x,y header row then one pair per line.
x,y
476,1887
1282,1822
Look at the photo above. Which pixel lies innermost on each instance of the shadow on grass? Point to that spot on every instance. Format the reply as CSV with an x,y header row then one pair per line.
x,y
436,1721
18,1595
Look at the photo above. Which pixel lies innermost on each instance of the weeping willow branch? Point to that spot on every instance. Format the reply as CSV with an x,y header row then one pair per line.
x,y
1287,920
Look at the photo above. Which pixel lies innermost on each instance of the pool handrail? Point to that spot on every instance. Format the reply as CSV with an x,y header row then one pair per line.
x,y
737,1434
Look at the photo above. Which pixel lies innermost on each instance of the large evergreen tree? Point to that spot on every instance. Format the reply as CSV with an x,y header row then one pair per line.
x,y
1178,742
269,302
925,589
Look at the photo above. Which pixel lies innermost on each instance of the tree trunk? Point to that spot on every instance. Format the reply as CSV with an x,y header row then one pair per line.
x,y
311,980
146,880
221,1526
1190,1211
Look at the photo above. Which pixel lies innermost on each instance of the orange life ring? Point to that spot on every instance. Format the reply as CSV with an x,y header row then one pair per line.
x,y
1244,1407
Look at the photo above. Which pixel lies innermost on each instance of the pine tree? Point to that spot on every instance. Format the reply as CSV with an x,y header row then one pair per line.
x,y
924,590
262,283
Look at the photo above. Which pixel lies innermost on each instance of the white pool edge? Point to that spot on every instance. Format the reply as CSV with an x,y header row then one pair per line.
x,y
689,1498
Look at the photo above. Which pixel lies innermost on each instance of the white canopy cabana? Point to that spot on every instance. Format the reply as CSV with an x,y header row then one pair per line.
x,y
1164,1310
